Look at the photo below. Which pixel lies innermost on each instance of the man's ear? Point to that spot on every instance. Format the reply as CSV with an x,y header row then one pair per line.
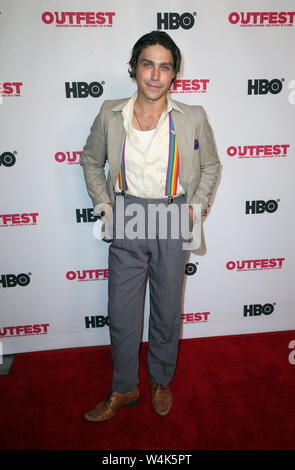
x,y
133,71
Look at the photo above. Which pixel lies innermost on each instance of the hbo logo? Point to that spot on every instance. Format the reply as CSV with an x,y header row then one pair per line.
x,y
190,269
174,20
259,207
83,90
258,309
7,159
96,321
10,280
262,87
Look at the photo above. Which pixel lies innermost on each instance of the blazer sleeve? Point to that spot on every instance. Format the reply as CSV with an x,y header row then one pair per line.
x,y
209,164
93,159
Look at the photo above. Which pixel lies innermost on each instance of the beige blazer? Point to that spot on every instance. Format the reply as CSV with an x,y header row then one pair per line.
x,y
198,158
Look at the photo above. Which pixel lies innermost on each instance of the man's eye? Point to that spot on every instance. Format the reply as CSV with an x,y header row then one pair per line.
x,y
146,64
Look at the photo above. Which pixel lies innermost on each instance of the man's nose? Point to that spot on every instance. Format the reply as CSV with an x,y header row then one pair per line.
x,y
156,73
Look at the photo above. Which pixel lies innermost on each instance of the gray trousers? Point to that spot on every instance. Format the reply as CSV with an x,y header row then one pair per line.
x,y
131,262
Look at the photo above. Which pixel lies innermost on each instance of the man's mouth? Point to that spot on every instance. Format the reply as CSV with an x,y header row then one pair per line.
x,y
156,87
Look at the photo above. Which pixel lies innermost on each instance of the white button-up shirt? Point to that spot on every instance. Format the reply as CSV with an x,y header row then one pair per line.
x,y
146,155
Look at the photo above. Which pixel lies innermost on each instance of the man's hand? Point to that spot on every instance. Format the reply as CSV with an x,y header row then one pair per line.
x,y
107,209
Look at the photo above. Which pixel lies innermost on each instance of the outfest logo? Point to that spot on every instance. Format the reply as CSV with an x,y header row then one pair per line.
x,y
19,219
255,264
258,151
190,86
82,19
10,89
88,275
23,330
70,158
262,18
197,317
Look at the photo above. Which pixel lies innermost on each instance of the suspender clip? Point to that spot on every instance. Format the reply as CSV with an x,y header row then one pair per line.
x,y
170,199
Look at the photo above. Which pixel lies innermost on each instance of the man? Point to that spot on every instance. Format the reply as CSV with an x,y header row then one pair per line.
x,y
160,152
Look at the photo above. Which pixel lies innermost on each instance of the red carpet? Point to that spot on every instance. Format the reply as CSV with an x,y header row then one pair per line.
x,y
234,392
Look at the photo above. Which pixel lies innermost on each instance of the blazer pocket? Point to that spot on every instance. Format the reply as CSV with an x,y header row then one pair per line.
x,y
196,144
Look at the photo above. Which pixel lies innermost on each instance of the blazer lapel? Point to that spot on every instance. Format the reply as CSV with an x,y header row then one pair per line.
x,y
185,141
116,134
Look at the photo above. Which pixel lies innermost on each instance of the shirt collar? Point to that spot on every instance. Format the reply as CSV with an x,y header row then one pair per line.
x,y
172,104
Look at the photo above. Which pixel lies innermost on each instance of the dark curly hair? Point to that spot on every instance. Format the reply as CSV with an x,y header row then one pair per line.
x,y
151,39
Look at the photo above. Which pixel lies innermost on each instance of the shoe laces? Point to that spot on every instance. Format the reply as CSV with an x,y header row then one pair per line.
x,y
109,396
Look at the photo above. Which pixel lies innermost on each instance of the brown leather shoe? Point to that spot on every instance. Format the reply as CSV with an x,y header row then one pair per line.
x,y
161,398
109,407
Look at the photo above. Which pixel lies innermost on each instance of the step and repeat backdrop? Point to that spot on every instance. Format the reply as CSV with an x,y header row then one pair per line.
x,y
59,61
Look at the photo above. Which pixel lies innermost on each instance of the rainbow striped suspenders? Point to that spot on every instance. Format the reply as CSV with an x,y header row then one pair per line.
x,y
173,162
122,173
172,167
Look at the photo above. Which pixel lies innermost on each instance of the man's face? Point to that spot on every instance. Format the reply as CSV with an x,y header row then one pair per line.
x,y
154,72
